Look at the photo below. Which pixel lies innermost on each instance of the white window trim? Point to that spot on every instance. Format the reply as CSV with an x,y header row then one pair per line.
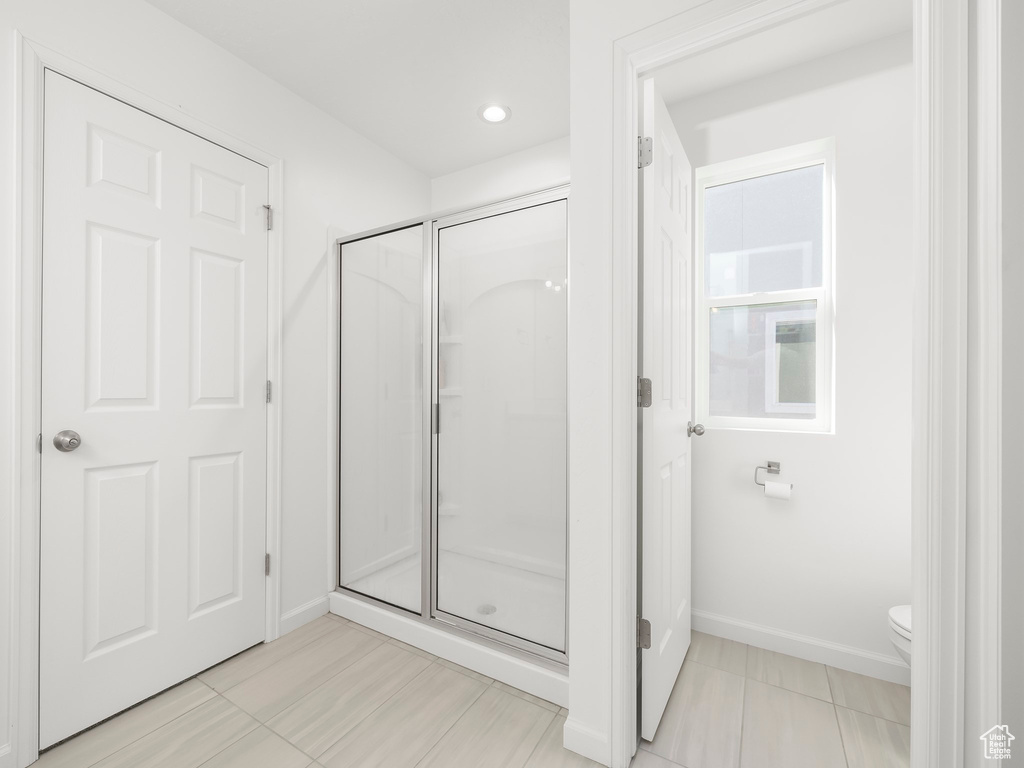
x,y
776,161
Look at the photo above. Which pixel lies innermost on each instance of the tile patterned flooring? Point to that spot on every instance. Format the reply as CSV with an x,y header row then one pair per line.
x,y
333,694
736,706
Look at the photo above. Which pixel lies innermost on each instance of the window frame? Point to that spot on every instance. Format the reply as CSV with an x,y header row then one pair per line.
x,y
819,152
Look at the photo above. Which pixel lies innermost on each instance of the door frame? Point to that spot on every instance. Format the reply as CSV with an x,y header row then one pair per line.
x,y
32,60
939,385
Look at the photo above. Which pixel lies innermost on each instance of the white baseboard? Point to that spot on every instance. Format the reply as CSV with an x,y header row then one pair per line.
x,y
868,663
586,741
515,671
304,614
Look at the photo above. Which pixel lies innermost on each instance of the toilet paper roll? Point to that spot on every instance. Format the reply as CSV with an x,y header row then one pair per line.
x,y
776,490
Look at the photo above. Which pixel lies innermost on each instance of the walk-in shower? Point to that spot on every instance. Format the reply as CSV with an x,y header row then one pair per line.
x,y
452,403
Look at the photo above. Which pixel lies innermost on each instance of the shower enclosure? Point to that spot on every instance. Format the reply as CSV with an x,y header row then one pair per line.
x,y
453,420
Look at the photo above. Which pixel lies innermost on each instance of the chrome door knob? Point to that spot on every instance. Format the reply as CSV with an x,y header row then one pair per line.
x,y
67,440
694,429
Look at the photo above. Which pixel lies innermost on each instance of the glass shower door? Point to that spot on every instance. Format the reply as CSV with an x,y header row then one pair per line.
x,y
501,446
382,416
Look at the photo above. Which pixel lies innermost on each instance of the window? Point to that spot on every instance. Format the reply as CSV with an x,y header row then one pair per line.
x,y
764,304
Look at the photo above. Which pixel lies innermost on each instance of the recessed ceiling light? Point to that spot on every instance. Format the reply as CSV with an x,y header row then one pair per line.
x,y
494,113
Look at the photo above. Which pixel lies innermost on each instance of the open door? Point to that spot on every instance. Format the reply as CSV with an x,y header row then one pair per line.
x,y
665,358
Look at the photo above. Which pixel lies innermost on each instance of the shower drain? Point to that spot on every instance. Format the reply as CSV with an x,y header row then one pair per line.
x,y
486,609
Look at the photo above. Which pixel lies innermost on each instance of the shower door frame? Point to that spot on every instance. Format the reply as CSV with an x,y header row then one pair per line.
x,y
429,613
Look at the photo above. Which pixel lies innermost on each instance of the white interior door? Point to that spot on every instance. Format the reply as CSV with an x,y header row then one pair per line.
x,y
154,352
667,271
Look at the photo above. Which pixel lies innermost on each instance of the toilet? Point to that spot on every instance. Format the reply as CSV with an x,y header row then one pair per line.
x,y
899,630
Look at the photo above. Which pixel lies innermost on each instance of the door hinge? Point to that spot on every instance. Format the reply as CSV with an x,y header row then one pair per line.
x,y
643,633
644,390
268,390
39,443
645,151
436,413
270,217
266,565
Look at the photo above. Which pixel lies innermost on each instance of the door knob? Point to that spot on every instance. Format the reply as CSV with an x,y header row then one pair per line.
x,y
694,429
67,440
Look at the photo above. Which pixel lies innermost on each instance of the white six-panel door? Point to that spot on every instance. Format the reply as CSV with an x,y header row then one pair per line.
x,y
667,285
154,351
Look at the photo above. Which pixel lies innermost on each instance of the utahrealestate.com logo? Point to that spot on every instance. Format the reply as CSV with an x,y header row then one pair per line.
x,y
997,742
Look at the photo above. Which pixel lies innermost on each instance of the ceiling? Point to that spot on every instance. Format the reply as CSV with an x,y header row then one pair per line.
x,y
836,28
411,74
408,74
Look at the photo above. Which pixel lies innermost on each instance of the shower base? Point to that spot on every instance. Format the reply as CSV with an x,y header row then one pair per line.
x,y
520,602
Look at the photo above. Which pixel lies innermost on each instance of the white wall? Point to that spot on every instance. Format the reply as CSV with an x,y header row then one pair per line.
x,y
994,536
827,565
1012,105
332,178
1012,610
530,170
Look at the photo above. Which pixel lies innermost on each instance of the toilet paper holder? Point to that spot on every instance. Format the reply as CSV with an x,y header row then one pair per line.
x,y
773,468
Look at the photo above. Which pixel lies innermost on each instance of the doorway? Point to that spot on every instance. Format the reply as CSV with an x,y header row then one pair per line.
x,y
785,136
153,407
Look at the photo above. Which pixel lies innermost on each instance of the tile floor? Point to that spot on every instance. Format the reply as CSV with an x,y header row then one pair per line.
x,y
334,694
736,706
331,694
